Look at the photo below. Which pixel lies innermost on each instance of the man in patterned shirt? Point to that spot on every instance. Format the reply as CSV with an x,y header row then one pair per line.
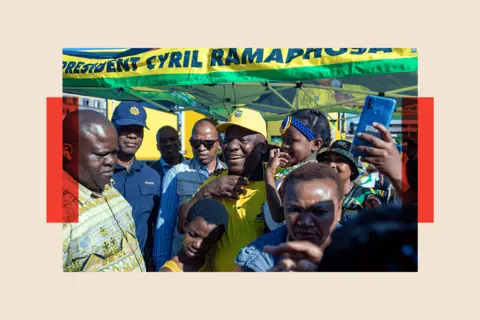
x,y
104,238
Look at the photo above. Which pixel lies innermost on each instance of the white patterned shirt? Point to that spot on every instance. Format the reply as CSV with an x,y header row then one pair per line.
x,y
104,237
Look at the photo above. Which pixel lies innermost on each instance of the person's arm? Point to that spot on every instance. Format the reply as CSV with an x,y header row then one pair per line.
x,y
274,201
166,219
384,155
222,187
202,193
184,208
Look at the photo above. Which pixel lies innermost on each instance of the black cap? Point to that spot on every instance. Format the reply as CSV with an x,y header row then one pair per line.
x,y
342,148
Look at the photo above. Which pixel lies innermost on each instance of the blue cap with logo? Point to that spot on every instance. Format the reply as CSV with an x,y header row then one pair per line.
x,y
130,113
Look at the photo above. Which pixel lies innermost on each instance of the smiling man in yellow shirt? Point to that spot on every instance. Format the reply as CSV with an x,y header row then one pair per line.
x,y
241,189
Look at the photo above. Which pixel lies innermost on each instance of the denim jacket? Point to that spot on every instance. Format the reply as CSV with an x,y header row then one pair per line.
x,y
253,259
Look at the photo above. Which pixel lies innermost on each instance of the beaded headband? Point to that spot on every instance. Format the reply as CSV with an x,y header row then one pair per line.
x,y
297,124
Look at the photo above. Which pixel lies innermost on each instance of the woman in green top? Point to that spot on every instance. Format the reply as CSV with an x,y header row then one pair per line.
x,y
356,197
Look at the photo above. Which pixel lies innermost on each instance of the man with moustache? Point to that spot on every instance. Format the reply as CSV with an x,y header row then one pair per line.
x,y
138,183
241,188
180,183
104,238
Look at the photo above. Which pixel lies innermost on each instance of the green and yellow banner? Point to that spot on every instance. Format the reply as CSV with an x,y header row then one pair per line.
x,y
198,66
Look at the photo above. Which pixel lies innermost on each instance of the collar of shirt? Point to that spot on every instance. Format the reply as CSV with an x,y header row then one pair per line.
x,y
80,192
166,166
203,169
136,165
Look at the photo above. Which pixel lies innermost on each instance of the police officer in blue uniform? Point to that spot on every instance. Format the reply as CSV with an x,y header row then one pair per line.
x,y
138,183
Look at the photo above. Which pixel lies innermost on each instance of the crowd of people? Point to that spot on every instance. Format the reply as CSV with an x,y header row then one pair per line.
x,y
313,206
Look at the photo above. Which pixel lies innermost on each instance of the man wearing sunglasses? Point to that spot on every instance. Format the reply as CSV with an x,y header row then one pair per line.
x,y
180,183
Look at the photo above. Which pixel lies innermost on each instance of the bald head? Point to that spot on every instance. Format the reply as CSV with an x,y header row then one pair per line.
x,y
79,124
205,141
205,123
89,148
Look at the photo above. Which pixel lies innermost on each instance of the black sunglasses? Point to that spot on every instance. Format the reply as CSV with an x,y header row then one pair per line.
x,y
207,143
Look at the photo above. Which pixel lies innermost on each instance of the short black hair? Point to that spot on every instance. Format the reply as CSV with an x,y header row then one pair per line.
x,y
164,127
313,171
383,239
317,121
211,210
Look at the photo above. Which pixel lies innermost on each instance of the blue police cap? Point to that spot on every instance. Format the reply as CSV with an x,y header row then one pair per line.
x,y
130,113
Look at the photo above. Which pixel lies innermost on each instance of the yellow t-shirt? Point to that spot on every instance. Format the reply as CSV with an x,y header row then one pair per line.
x,y
245,223
172,266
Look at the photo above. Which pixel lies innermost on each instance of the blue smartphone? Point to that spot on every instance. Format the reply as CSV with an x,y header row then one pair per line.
x,y
375,109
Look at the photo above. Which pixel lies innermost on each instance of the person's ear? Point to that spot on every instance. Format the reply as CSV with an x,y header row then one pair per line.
x,y
68,151
317,144
264,147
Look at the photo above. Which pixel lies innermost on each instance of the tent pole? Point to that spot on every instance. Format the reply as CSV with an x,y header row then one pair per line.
x,y
276,84
87,88
393,95
266,106
255,94
403,89
297,99
221,117
316,103
241,98
360,99
280,96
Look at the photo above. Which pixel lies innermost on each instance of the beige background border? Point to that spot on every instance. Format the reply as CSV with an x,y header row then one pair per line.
x,y
33,35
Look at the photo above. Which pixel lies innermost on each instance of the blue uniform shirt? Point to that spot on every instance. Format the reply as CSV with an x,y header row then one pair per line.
x,y
140,186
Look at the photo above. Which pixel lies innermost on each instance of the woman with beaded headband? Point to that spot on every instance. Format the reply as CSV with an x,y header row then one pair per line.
x,y
304,133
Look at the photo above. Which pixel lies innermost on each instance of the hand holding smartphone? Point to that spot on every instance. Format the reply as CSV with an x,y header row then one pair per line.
x,y
375,109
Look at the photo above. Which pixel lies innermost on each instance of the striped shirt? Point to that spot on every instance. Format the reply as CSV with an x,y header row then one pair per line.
x,y
104,237
162,167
